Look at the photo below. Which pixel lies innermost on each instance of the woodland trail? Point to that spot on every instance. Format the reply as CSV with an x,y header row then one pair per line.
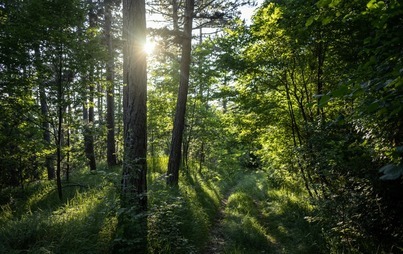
x,y
256,216
216,241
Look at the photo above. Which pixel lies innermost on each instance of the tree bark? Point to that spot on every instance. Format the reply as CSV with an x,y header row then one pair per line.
x,y
110,101
49,160
89,122
59,136
133,223
179,123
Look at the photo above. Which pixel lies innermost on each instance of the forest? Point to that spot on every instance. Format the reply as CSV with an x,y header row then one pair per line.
x,y
186,126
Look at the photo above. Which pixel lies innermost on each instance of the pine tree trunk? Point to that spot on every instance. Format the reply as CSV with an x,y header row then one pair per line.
x,y
89,117
133,223
179,122
110,103
135,107
59,136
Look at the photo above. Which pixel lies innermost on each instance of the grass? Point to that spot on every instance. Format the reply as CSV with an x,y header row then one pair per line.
x,y
36,221
180,219
259,216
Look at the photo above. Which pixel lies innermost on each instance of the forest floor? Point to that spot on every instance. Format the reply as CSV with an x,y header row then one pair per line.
x,y
256,216
216,238
242,211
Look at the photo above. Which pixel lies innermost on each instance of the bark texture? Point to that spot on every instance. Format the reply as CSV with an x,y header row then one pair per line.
x,y
133,221
110,102
135,104
179,122
89,116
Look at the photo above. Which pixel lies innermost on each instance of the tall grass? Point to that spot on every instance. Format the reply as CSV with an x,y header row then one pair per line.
x,y
36,221
263,217
180,219
259,215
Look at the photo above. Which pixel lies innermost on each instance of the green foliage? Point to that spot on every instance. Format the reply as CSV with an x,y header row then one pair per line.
x,y
179,220
263,217
315,92
35,220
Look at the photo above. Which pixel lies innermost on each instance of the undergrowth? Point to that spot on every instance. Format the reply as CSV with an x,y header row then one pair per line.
x,y
264,217
34,220
261,215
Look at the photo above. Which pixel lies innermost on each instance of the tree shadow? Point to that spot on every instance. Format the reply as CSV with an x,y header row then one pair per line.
x,y
263,219
83,224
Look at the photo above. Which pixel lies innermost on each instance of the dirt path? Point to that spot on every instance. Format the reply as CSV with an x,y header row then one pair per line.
x,y
216,241
216,238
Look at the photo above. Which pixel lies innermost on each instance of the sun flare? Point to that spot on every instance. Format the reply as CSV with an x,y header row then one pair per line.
x,y
149,47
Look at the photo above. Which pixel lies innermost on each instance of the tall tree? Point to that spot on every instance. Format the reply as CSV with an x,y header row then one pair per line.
x,y
179,122
134,184
110,101
88,109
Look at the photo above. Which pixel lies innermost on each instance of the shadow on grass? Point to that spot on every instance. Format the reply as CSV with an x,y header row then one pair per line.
x,y
262,219
84,222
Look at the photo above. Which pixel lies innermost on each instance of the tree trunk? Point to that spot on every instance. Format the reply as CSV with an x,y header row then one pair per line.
x,y
110,103
133,223
179,123
88,117
59,136
89,122
175,17
49,160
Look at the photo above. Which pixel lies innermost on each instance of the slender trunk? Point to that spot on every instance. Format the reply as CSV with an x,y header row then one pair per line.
x,y
88,117
110,100
100,104
119,126
175,17
68,144
49,160
295,135
89,122
320,51
179,122
59,142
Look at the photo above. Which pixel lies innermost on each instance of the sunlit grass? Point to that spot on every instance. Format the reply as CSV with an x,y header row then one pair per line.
x,y
180,219
259,215
84,222
264,217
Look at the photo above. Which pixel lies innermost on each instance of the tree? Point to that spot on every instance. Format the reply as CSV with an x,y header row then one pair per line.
x,y
134,184
179,122
110,99
88,108
319,83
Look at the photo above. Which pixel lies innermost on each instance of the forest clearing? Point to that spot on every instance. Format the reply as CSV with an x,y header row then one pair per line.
x,y
167,126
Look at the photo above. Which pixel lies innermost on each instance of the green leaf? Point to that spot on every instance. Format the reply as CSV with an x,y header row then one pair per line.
x,y
327,20
311,104
341,91
372,107
309,21
324,100
323,3
334,3
371,4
